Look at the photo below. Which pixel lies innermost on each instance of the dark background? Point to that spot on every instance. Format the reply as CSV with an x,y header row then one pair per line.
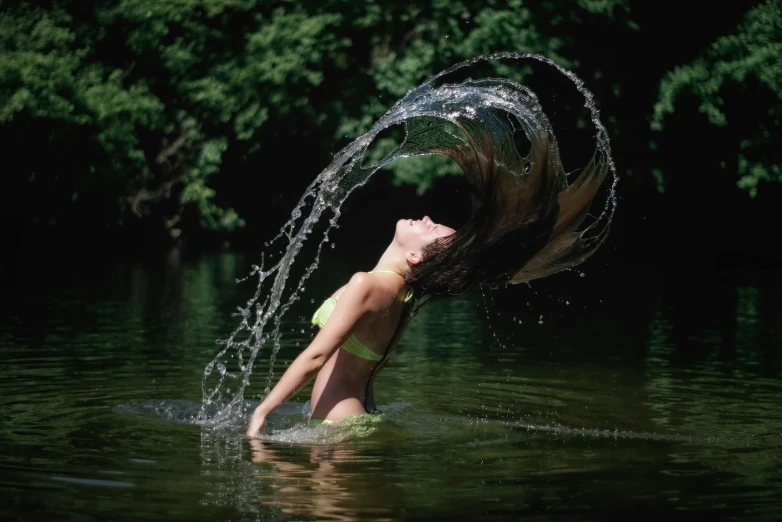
x,y
680,209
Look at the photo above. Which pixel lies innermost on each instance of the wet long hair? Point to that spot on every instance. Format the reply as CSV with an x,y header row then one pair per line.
x,y
527,221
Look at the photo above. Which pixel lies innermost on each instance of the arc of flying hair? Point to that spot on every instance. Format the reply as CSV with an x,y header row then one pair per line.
x,y
527,222
524,223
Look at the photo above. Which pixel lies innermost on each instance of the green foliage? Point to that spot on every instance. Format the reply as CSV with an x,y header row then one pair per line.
x,y
197,192
737,68
159,90
134,110
420,39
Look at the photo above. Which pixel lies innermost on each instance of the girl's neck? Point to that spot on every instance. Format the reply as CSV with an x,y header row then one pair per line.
x,y
392,261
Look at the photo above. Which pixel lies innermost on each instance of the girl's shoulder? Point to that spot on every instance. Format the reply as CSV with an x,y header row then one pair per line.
x,y
379,290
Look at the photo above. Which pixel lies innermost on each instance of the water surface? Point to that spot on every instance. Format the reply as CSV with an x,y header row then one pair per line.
x,y
637,396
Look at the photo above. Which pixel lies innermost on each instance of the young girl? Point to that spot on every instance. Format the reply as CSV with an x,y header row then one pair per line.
x,y
360,325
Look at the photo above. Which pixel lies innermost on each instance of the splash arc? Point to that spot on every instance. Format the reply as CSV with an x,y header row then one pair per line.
x,y
486,112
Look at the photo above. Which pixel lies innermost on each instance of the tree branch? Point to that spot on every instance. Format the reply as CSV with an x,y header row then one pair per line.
x,y
172,149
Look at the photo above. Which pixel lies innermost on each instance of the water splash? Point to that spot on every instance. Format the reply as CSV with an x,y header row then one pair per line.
x,y
489,108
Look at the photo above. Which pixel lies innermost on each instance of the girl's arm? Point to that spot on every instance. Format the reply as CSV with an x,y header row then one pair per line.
x,y
353,303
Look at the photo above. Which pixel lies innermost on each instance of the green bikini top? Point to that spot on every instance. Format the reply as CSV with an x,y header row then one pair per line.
x,y
352,345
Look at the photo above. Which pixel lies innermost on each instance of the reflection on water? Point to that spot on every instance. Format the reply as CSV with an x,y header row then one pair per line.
x,y
325,482
664,399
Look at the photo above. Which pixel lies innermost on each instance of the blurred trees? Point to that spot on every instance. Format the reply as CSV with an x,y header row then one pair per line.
x,y
130,106
737,85
155,113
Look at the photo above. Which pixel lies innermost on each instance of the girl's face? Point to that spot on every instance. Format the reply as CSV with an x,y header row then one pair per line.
x,y
414,235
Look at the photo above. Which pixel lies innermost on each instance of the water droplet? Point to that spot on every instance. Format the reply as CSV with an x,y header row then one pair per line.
x,y
221,368
333,245
582,274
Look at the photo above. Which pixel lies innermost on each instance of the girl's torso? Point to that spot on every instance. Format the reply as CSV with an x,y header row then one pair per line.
x,y
343,383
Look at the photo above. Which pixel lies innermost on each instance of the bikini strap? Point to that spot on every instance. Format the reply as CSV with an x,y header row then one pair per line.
x,y
408,295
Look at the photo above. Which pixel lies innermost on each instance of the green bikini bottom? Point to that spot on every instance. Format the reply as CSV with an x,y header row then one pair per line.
x,y
359,425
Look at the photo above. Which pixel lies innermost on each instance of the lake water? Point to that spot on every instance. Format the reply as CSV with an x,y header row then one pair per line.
x,y
632,396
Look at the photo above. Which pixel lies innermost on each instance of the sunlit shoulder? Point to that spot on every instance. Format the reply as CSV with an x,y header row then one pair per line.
x,y
373,291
